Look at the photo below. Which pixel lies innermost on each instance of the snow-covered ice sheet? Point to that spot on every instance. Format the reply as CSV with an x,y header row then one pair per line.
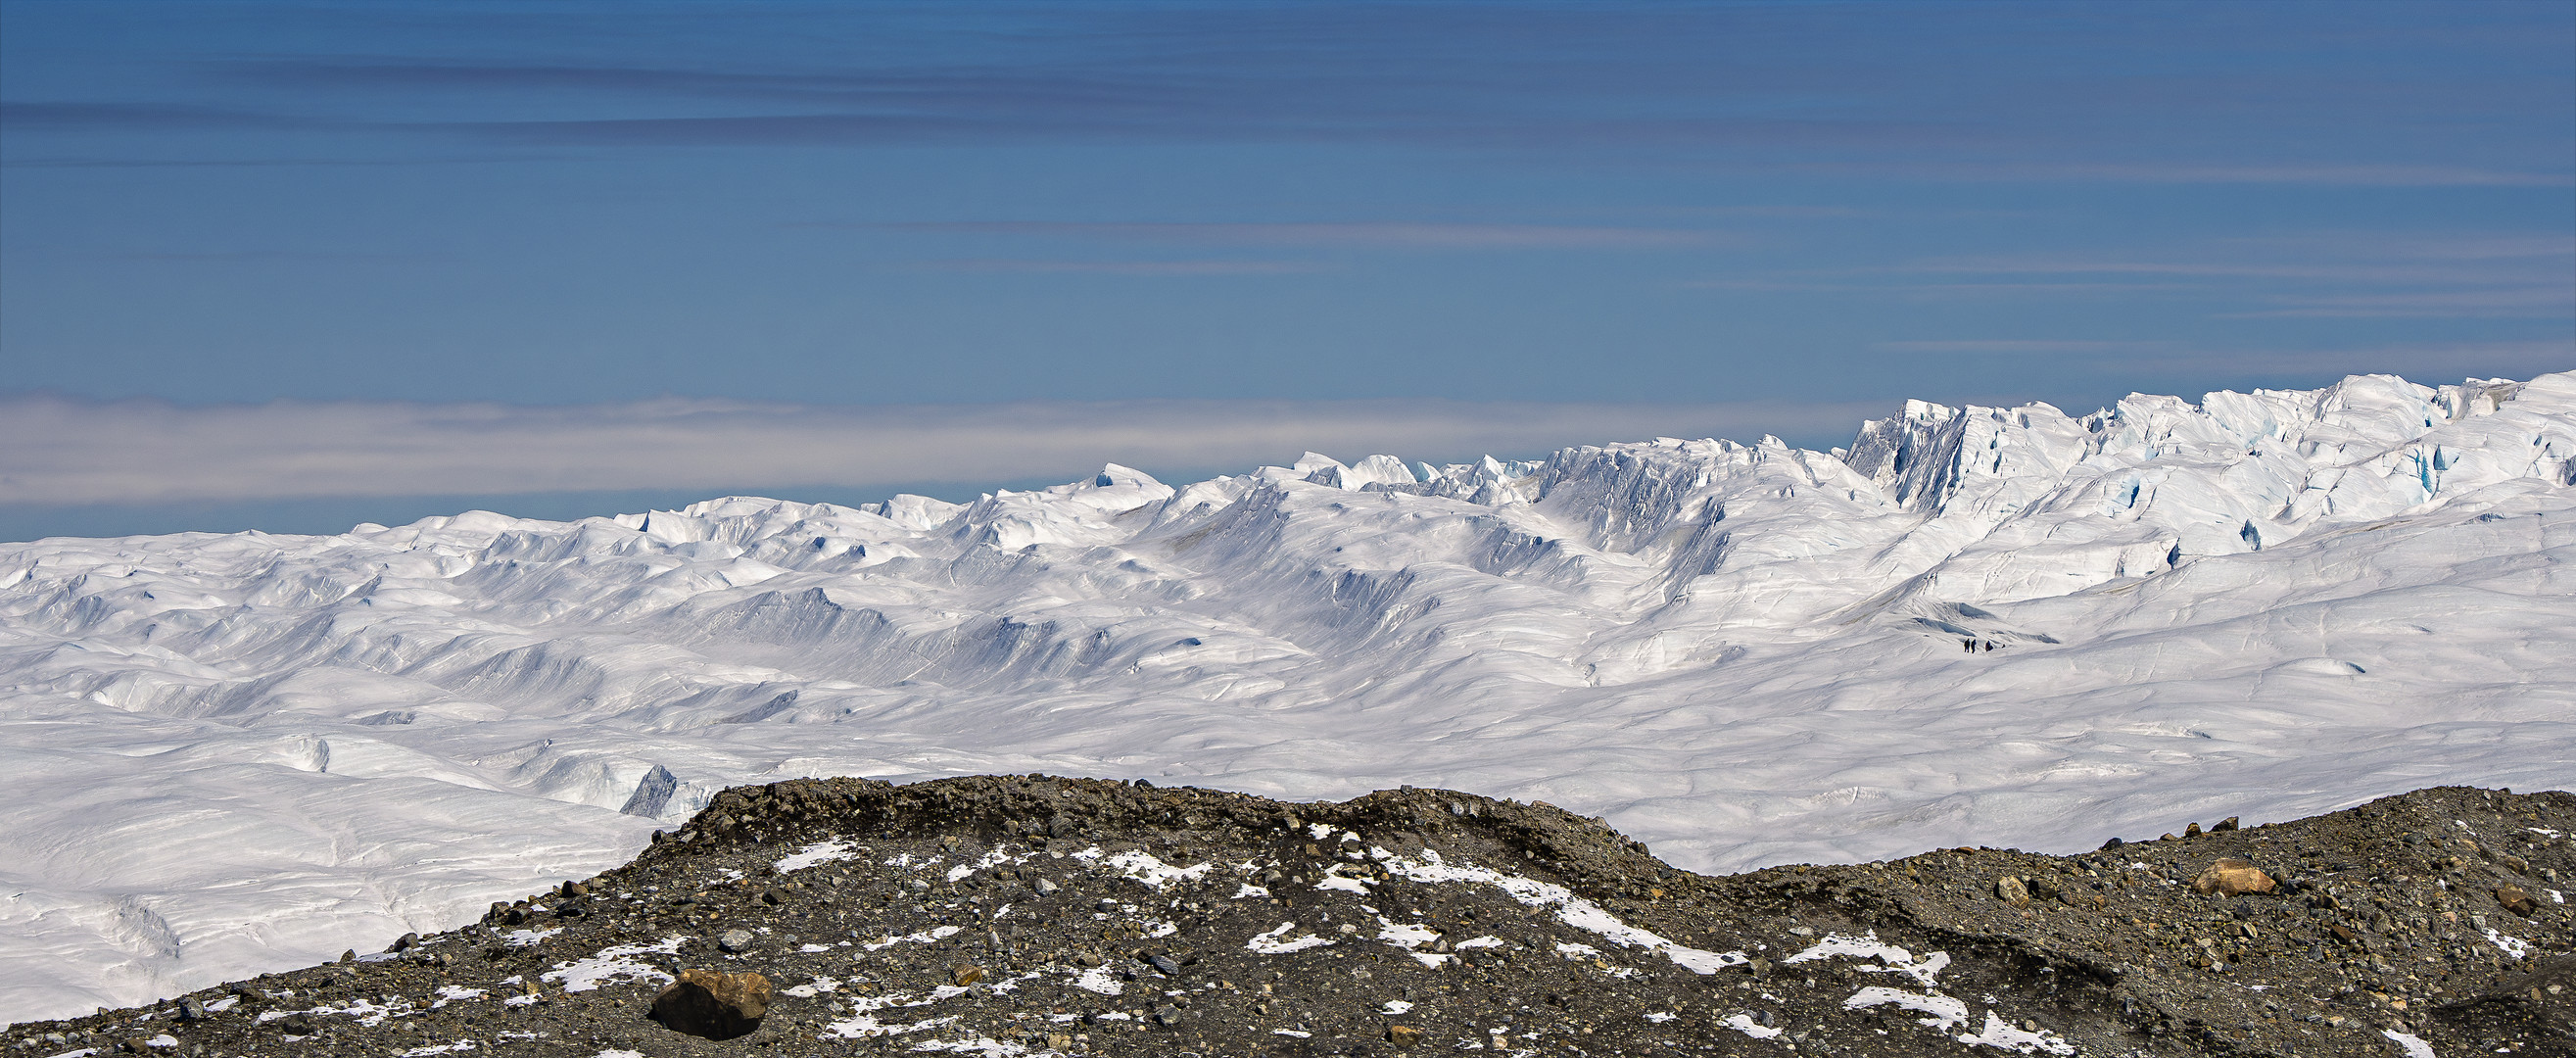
x,y
1996,625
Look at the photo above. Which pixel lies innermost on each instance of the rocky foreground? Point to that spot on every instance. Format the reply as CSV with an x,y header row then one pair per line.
x,y
1031,915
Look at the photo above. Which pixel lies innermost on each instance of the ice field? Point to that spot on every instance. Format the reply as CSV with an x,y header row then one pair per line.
x,y
1999,626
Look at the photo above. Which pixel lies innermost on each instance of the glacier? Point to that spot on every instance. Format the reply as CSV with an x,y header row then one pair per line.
x,y
230,754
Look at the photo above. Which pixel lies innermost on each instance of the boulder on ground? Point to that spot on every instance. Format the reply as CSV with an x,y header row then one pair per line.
x,y
2232,877
2515,900
713,1004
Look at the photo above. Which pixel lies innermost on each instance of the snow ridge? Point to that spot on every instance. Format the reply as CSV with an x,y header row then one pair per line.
x,y
2001,625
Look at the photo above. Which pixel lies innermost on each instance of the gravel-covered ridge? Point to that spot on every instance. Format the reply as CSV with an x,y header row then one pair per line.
x,y
1029,915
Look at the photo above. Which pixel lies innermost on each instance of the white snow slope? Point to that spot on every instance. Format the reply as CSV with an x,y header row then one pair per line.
x,y
230,754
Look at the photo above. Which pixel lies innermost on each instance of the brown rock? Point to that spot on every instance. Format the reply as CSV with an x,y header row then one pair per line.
x,y
964,974
2515,900
2012,891
1403,1035
713,1004
2232,877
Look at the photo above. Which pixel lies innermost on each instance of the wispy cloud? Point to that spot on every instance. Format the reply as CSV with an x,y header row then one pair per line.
x,y
2019,346
1823,286
2331,274
1415,235
74,115
256,257
2370,272
1125,268
2393,176
2233,364
2546,302
59,452
2428,363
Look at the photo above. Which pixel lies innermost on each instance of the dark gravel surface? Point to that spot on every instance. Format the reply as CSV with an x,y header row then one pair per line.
x,y
1009,915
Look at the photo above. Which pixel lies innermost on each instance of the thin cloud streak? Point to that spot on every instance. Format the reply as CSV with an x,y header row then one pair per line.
x,y
2393,176
56,451
2427,363
1424,235
82,115
2362,273
2017,346
1125,268
2527,303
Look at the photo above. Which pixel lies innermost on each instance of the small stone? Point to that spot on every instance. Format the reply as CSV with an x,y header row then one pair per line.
x,y
350,955
1167,1015
713,1004
1059,1041
2515,900
734,941
2011,891
2191,831
1403,1035
2230,876
2228,823
1047,888
964,974
773,897
190,1009
1164,965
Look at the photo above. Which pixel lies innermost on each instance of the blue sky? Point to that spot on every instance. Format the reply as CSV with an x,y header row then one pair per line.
x,y
1720,217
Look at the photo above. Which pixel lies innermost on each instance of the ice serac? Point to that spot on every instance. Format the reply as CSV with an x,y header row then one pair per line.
x,y
1993,625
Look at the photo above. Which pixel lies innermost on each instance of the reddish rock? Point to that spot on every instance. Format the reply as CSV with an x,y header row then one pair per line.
x,y
2232,877
2515,900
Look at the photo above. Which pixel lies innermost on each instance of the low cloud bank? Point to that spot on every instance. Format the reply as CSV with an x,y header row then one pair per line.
x,y
57,451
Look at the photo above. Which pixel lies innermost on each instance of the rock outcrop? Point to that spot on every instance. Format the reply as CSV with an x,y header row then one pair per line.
x,y
1030,915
